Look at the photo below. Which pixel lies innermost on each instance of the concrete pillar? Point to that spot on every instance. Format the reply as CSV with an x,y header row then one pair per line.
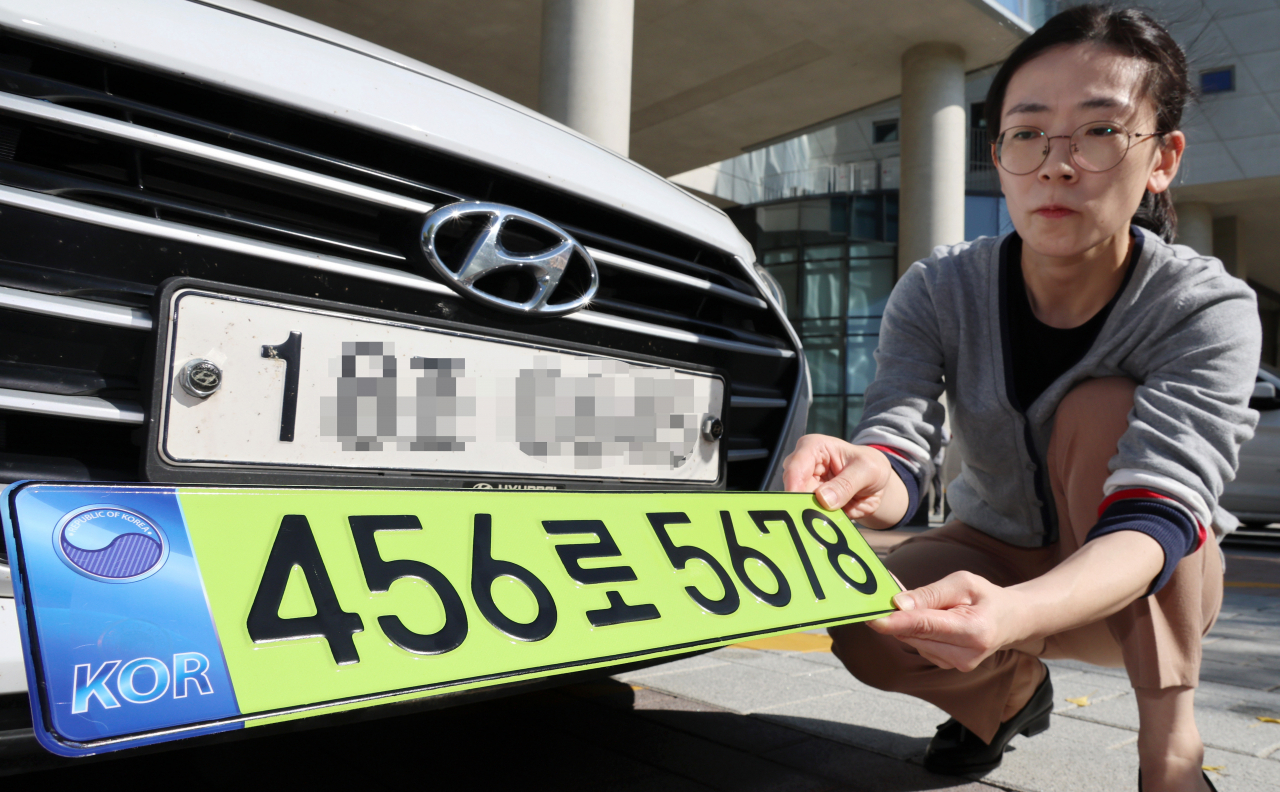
x,y
932,130
586,67
1195,226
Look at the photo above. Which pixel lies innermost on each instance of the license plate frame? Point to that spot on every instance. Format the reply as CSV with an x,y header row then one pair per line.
x,y
159,469
225,539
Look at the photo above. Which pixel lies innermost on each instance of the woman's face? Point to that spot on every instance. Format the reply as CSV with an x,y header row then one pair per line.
x,y
1061,210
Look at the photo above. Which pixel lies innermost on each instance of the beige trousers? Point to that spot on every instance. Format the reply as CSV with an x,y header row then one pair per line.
x,y
1156,638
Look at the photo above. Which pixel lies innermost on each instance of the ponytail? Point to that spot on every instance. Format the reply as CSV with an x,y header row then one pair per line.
x,y
1156,213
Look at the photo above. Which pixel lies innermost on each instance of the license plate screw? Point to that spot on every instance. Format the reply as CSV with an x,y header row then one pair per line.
x,y
712,429
200,378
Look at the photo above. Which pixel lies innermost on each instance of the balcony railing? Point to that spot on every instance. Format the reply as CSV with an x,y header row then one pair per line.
x,y
981,175
847,177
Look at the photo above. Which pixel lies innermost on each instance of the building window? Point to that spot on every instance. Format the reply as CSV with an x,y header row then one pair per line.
x,y
982,176
836,295
884,131
836,260
978,116
1218,80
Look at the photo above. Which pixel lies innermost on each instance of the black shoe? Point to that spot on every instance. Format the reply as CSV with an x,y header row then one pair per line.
x,y
955,750
1206,780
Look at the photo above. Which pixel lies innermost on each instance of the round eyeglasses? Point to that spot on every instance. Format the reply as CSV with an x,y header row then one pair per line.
x,y
1096,147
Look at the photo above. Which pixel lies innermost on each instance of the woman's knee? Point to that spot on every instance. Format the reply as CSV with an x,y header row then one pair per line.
x,y
1089,422
873,659
1094,401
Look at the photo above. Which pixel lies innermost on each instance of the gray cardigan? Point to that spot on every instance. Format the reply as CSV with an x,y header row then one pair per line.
x,y
1182,328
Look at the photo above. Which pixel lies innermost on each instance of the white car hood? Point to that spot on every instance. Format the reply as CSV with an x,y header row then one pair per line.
x,y
258,50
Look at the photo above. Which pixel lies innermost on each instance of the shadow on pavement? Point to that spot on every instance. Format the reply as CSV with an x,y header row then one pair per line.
x,y
603,735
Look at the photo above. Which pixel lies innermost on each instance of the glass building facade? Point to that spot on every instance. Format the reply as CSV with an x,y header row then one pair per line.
x,y
835,257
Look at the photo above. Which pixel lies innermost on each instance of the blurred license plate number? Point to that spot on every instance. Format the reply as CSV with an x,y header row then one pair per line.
x,y
308,388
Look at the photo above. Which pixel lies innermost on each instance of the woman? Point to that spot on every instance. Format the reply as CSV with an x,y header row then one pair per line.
x,y
1098,379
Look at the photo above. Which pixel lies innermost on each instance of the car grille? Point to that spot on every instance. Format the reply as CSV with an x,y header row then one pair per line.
x,y
114,178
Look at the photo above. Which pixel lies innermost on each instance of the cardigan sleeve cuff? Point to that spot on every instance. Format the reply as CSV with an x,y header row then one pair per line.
x,y
909,481
1159,517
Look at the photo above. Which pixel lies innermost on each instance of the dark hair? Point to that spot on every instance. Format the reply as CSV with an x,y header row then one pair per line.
x,y
1130,32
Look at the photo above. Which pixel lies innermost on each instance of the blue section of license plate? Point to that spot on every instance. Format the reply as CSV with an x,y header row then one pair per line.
x,y
115,597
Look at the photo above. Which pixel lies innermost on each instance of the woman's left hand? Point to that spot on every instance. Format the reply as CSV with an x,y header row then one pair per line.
x,y
960,620
954,623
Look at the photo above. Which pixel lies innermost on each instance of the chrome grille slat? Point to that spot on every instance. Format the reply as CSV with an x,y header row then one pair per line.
x,y
143,136
631,265
75,308
169,230
40,180
608,320
601,241
166,142
176,231
662,317
87,407
62,93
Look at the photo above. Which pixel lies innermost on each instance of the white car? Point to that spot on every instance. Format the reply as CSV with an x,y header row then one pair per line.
x,y
288,180
1254,495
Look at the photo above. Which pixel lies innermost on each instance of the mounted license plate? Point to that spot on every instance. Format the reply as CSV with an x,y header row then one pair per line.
x,y
156,613
254,383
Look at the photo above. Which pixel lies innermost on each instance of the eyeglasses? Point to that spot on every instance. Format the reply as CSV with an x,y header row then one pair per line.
x,y
1096,147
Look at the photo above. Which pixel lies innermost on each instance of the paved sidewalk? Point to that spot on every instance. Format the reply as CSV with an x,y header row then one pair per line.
x,y
795,682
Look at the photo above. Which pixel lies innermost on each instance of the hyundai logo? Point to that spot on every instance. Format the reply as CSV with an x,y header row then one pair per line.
x,y
110,544
200,378
470,244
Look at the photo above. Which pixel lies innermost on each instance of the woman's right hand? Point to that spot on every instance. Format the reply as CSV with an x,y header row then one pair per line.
x,y
857,479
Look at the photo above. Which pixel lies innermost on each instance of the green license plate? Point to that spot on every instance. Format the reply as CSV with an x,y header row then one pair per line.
x,y
151,613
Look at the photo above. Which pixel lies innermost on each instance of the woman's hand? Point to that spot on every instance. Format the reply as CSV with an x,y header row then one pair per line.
x,y
845,476
960,620
954,623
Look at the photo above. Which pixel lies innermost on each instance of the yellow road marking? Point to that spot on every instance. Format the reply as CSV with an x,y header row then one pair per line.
x,y
795,642
1242,584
